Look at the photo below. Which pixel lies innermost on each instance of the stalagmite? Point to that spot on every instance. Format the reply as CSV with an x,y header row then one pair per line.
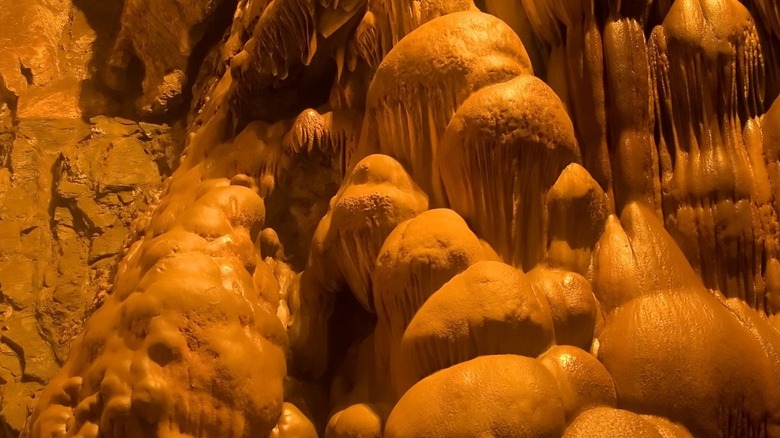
x,y
583,380
767,16
387,22
669,344
574,310
293,424
574,196
611,423
709,78
585,83
515,15
417,258
575,70
376,197
422,81
500,154
355,421
185,317
629,97
334,134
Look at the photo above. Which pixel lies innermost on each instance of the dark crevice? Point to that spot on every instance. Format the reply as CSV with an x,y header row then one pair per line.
x,y
56,201
17,349
349,325
26,72
104,19
213,32
305,87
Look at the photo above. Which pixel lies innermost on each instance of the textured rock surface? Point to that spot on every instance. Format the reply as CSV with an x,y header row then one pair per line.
x,y
67,200
366,218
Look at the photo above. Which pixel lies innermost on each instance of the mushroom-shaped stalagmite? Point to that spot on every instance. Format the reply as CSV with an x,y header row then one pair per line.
x,y
672,348
388,21
423,80
504,396
417,258
501,153
376,197
490,308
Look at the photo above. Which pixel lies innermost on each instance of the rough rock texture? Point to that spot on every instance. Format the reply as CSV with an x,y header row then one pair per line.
x,y
162,36
67,200
367,218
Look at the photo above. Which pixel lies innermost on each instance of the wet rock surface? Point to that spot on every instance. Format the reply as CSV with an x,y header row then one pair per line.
x,y
67,200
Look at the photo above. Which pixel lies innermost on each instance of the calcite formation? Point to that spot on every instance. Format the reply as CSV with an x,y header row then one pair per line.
x,y
376,218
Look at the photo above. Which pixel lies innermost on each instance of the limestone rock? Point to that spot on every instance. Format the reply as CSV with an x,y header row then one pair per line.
x,y
127,166
162,35
17,403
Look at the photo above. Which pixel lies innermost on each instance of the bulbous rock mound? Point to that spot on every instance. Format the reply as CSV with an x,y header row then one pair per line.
x,y
490,308
498,396
417,258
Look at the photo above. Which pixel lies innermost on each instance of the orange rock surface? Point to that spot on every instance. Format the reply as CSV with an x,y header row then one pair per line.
x,y
381,218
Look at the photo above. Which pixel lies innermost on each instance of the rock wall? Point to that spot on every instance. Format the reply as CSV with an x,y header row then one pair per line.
x,y
74,179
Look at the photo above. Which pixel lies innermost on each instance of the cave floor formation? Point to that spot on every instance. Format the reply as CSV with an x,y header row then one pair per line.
x,y
390,218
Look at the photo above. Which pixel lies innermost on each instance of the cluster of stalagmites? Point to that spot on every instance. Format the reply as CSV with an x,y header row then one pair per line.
x,y
592,254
